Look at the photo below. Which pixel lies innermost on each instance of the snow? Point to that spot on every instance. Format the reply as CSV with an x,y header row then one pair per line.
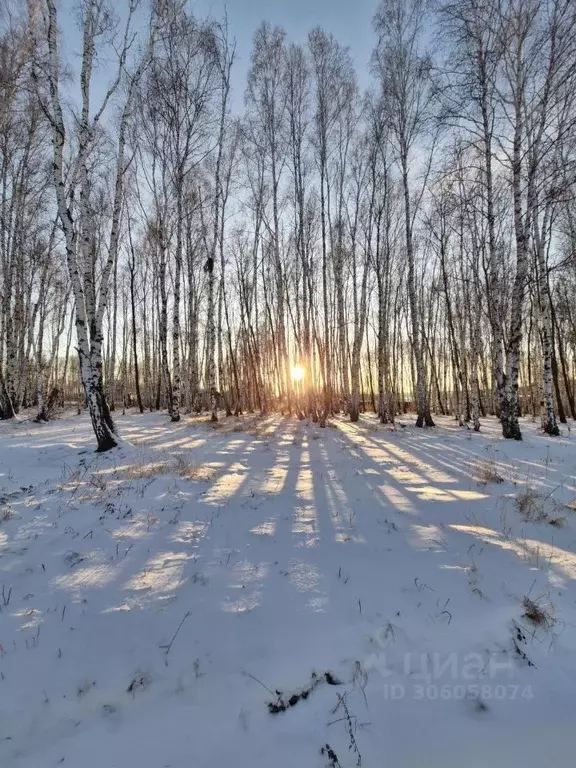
x,y
154,598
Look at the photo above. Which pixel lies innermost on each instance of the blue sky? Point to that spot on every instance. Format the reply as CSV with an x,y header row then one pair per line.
x,y
350,21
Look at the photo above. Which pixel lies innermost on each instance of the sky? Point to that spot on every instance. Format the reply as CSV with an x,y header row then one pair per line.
x,y
350,21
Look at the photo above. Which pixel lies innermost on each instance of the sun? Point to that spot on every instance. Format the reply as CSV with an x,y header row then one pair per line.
x,y
297,373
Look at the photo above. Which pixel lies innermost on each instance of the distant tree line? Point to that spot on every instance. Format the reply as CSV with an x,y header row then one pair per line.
x,y
327,250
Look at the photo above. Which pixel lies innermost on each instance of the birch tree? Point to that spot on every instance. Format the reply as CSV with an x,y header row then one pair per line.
x,y
539,58
404,72
74,214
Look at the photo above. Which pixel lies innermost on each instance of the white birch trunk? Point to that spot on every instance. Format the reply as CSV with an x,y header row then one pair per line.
x,y
548,418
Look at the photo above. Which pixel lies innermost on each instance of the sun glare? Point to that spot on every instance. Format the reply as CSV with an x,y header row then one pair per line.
x,y
297,373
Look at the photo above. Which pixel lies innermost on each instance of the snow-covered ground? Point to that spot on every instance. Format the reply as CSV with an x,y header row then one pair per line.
x,y
156,599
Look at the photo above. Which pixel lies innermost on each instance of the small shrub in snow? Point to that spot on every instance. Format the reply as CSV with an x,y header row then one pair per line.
x,y
190,471
540,615
487,472
532,506
179,466
146,470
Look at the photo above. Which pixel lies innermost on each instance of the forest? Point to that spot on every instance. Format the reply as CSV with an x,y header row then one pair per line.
x,y
313,306
307,246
